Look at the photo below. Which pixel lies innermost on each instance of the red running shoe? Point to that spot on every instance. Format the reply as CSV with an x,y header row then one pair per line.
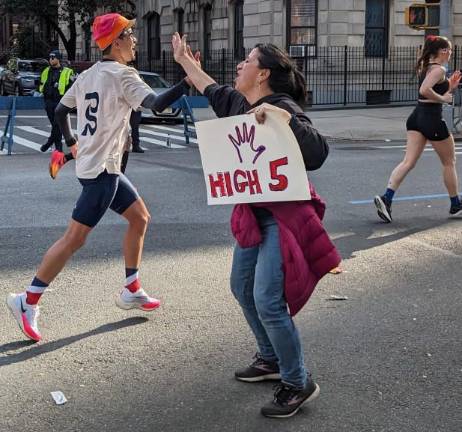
x,y
57,160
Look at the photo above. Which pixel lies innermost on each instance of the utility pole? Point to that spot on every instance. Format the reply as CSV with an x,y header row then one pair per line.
x,y
446,30
446,18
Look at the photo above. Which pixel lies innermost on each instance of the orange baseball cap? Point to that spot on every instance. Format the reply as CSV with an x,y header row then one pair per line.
x,y
107,28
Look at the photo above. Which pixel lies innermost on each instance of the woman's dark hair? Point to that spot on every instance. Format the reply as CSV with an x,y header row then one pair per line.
x,y
431,47
285,76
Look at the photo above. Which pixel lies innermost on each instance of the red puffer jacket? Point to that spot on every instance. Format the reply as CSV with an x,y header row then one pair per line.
x,y
306,249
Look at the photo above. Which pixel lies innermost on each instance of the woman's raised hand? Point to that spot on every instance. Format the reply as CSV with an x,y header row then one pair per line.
x,y
197,59
454,80
196,56
179,47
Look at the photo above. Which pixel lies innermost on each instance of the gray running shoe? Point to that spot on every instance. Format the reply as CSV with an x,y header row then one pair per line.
x,y
383,205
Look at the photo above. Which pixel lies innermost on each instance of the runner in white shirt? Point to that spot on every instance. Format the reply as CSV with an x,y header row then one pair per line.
x,y
104,96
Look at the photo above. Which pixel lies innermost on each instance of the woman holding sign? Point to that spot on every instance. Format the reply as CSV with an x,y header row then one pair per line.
x,y
282,248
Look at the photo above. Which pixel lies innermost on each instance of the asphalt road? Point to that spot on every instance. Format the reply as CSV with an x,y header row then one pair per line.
x,y
388,359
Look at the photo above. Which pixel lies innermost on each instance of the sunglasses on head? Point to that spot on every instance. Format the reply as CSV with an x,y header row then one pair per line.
x,y
52,56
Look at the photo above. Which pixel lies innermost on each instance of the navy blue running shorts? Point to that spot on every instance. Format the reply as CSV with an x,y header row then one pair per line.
x,y
112,191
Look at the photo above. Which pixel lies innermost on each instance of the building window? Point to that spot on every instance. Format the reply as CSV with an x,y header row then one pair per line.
x,y
180,21
302,26
377,23
207,14
239,29
153,36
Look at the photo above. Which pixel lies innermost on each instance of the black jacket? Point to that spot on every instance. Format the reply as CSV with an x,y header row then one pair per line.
x,y
227,102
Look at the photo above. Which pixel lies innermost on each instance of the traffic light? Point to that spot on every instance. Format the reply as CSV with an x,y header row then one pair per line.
x,y
423,16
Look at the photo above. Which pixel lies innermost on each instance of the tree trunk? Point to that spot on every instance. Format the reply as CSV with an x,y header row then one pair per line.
x,y
72,37
69,44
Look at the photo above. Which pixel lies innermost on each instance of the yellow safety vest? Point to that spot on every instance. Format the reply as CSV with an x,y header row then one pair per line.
x,y
63,82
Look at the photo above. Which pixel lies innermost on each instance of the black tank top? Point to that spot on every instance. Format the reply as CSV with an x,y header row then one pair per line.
x,y
439,88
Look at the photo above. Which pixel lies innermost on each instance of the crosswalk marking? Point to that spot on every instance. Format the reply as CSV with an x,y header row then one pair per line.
x,y
161,143
34,130
156,136
389,147
151,132
166,128
26,143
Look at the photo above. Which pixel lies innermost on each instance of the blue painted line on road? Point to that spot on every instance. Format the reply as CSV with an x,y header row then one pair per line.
x,y
405,198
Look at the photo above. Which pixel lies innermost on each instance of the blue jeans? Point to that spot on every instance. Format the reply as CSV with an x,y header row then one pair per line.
x,y
257,282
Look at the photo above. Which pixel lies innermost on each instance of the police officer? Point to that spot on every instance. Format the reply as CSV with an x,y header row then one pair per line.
x,y
55,80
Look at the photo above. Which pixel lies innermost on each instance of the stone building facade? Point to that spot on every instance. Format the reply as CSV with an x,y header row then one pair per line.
x,y
350,51
231,24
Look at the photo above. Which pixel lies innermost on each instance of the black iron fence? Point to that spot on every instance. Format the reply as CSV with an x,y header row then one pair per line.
x,y
334,75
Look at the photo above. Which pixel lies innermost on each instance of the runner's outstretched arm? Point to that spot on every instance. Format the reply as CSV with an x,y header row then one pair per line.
x,y
158,102
153,101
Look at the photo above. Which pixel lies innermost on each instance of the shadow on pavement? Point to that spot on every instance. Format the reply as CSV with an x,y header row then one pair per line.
x,y
369,235
58,344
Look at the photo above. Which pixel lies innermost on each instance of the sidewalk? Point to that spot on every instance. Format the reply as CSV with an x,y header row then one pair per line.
x,y
363,124
355,124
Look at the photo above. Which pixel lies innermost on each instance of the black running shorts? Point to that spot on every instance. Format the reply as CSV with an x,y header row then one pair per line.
x,y
112,191
428,120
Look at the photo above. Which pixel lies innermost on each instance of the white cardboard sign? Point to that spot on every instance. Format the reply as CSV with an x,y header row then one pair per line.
x,y
247,162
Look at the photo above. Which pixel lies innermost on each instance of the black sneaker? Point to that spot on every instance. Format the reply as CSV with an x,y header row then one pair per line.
x,y
383,205
456,209
45,147
288,400
259,370
137,149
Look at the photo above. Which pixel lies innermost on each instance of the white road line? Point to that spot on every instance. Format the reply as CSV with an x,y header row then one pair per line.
x,y
33,130
432,150
73,116
165,135
403,147
161,143
170,129
4,152
26,143
26,116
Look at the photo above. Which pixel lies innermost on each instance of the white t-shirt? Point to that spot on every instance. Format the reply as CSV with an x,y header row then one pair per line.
x,y
104,96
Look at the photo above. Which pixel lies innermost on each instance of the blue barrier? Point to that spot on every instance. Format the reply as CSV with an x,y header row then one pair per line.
x,y
187,112
13,103
9,127
22,102
193,101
